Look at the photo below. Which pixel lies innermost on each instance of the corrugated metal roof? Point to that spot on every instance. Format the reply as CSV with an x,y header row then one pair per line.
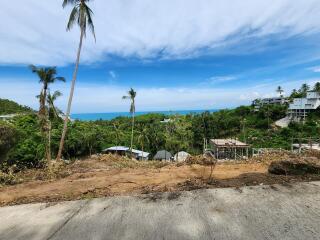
x,y
117,148
227,142
145,154
127,149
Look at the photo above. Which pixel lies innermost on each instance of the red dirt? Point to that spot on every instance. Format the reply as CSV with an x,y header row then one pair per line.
x,y
94,178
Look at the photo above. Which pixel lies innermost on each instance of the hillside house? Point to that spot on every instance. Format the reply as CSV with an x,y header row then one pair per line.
x,y
269,101
300,107
7,117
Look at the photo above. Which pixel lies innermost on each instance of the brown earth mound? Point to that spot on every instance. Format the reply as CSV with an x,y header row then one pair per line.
x,y
301,166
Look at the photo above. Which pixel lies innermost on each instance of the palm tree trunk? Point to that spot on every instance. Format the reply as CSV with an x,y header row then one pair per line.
x,y
49,142
44,121
75,73
132,133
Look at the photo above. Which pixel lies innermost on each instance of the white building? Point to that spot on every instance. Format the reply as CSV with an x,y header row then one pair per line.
x,y
7,117
300,107
257,103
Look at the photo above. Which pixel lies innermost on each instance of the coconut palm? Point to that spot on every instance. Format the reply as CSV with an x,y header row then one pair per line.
x,y
317,87
82,15
304,89
131,96
53,111
46,76
280,91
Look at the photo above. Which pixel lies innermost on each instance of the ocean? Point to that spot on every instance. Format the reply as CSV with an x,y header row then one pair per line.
x,y
112,115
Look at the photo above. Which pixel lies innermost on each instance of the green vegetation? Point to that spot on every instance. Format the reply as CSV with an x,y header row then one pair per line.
x,y
22,144
11,107
47,76
26,142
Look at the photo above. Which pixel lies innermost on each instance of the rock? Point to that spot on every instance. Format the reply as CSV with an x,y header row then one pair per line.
x,y
295,167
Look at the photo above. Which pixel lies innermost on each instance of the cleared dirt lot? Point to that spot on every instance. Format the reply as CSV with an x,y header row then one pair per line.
x,y
109,176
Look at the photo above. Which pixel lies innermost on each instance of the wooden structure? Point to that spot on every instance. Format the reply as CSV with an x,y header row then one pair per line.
x,y
229,149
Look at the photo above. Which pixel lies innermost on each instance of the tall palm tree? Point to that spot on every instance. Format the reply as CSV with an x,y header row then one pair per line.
x,y
317,87
280,91
131,95
53,113
304,89
46,76
82,15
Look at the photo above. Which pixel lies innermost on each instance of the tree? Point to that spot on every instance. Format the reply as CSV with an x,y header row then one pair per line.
x,y
118,133
280,91
143,139
8,138
304,89
82,15
317,87
46,76
131,95
178,134
53,113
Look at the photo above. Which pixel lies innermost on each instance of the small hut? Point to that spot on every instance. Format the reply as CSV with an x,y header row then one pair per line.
x,y
181,156
140,155
120,150
163,155
229,148
125,151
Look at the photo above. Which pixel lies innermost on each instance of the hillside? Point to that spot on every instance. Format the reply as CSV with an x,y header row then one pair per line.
x,y
11,107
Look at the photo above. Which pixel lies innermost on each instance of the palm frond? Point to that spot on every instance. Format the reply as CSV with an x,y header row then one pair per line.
x,y
62,79
51,99
69,2
89,14
73,18
33,68
56,94
80,14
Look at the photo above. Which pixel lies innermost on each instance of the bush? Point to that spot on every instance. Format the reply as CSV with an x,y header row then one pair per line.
x,y
8,178
28,152
8,138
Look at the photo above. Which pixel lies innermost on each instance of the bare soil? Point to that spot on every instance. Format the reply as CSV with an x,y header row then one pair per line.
x,y
109,176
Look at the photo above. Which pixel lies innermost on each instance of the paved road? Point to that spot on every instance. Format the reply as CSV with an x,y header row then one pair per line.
x,y
262,212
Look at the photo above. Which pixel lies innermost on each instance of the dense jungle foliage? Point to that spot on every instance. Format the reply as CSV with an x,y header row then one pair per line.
x,y
21,143
11,107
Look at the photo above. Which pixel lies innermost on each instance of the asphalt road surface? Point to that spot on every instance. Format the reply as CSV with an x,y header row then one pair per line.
x,y
262,212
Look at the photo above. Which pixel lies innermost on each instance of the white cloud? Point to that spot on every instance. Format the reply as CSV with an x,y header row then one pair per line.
x,y
315,69
102,98
35,33
113,74
220,79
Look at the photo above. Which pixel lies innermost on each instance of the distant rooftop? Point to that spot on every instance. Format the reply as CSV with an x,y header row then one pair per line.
x,y
228,142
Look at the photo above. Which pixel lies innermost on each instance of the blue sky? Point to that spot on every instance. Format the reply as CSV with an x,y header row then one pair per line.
x,y
177,54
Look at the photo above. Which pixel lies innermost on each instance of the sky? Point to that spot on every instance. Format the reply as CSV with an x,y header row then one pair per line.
x,y
177,54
